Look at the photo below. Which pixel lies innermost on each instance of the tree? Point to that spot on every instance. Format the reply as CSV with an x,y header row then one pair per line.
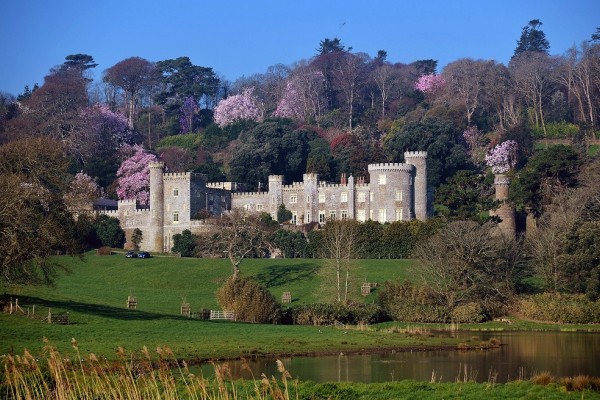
x,y
136,238
532,39
242,106
466,262
133,75
134,176
109,130
330,45
248,300
34,221
283,214
502,157
80,63
430,83
239,235
466,196
292,244
339,248
185,243
187,114
83,191
109,231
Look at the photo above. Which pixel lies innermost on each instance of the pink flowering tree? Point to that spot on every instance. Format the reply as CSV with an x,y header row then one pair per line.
x,y
82,192
291,104
238,107
108,126
134,176
502,157
187,114
430,83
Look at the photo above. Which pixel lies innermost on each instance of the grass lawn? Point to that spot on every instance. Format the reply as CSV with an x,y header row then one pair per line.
x,y
95,292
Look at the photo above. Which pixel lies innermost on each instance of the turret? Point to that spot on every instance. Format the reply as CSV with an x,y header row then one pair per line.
x,y
505,211
419,160
275,194
311,209
155,232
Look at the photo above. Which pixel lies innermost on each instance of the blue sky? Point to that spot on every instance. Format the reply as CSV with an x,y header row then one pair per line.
x,y
244,37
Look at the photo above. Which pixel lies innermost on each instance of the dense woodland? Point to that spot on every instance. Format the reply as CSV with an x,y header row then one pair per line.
x,y
71,139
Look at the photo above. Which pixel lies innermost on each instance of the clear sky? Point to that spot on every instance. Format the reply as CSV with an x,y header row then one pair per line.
x,y
243,37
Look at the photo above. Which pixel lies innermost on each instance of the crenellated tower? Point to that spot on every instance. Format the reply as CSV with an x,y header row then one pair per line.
x,y
275,194
506,212
419,160
391,191
155,232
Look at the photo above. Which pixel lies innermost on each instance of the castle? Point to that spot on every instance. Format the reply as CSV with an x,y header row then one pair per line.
x,y
396,192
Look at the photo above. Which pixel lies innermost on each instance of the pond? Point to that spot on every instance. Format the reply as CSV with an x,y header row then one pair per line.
x,y
522,355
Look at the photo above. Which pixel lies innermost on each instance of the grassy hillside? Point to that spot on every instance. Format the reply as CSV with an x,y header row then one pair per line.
x,y
96,289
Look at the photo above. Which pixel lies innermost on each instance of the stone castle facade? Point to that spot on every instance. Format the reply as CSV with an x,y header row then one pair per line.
x,y
396,192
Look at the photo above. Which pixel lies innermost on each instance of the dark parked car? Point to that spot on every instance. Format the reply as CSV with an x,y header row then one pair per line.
x,y
143,254
131,254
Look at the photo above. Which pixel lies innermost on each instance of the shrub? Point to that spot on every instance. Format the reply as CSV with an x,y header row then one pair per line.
x,y
250,301
185,243
557,130
325,314
109,231
190,141
469,313
403,301
561,308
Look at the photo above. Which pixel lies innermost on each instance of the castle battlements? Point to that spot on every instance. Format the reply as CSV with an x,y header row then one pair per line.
x,y
248,194
177,175
415,154
397,167
127,202
294,185
332,185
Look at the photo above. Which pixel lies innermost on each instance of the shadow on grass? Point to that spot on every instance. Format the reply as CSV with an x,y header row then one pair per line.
x,y
93,309
279,275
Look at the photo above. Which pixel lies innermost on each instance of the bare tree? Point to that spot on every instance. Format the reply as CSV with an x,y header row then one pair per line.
x,y
385,79
239,235
339,248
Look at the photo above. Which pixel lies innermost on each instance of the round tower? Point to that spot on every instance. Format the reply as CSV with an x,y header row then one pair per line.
x,y
419,160
390,187
155,232
505,211
275,194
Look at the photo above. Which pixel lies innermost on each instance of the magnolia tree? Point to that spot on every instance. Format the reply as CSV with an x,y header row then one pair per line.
x,y
108,125
290,105
238,107
187,113
134,176
429,83
83,190
502,157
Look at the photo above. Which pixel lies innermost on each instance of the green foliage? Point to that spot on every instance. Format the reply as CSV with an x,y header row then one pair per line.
x,y
190,141
136,238
532,39
469,313
582,257
549,168
439,138
283,214
561,308
250,301
556,130
184,243
293,244
465,195
109,231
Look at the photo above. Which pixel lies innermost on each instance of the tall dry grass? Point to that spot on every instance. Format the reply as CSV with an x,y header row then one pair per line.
x,y
131,376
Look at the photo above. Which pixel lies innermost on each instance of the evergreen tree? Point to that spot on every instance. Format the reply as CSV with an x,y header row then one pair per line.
x,y
532,39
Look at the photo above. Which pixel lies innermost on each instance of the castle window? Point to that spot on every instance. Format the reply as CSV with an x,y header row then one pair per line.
x,y
247,207
273,199
175,216
362,197
308,217
321,197
332,215
344,197
308,198
398,214
321,217
259,207
398,195
344,215
175,192
293,199
382,215
362,215
382,179
294,217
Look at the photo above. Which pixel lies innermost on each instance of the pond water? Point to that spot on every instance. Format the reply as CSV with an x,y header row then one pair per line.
x,y
522,355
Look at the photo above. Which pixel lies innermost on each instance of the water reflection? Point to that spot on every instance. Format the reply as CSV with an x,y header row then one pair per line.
x,y
522,355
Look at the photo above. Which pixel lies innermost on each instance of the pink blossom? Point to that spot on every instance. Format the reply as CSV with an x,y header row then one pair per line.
x,y
238,107
134,176
107,124
291,104
502,157
430,83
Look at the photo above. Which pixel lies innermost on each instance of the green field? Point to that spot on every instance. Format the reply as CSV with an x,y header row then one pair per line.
x,y
95,292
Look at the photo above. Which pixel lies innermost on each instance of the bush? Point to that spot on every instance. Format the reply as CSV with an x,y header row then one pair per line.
x,y
561,308
469,313
250,301
190,141
326,314
109,231
556,130
403,301
185,243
